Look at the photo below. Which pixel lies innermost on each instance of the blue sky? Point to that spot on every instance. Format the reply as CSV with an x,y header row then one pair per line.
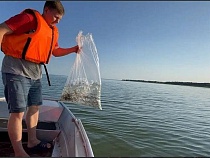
x,y
148,40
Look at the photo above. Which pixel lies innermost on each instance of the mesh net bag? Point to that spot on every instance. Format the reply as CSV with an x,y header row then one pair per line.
x,y
83,85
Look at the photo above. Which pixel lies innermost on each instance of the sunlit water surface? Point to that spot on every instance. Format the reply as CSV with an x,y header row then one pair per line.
x,y
143,119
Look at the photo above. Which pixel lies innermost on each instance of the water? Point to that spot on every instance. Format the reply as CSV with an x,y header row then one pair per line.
x,y
143,119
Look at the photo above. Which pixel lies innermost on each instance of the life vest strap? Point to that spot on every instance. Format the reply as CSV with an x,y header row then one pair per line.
x,y
26,48
48,78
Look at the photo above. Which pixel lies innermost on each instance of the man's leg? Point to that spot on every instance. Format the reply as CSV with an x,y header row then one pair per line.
x,y
15,90
32,116
15,133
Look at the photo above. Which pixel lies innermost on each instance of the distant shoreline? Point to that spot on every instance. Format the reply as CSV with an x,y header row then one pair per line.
x,y
194,84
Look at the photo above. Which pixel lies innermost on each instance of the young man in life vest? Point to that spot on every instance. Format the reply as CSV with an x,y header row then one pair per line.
x,y
28,40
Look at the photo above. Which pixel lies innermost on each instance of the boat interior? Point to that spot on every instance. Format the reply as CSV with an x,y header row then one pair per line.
x,y
56,124
47,130
5,144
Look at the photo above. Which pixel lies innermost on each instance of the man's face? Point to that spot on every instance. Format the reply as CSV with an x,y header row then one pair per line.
x,y
51,16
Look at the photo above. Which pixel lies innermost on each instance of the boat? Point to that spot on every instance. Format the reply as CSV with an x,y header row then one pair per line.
x,y
56,124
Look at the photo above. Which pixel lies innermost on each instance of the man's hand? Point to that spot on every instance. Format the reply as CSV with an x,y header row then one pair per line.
x,y
77,49
58,52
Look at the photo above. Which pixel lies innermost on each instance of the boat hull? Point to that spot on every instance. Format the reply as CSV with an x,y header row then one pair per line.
x,y
58,124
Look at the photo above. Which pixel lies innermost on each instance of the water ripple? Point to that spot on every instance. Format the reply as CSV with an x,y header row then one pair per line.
x,y
145,119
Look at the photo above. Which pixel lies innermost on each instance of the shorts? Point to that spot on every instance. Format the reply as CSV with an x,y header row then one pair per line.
x,y
21,92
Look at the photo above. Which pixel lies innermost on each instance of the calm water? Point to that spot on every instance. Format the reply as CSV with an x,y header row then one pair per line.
x,y
144,119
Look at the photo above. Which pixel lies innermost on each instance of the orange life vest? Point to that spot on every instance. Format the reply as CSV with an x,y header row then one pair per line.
x,y
36,47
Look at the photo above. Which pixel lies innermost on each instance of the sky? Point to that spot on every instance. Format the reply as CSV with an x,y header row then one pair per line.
x,y
143,40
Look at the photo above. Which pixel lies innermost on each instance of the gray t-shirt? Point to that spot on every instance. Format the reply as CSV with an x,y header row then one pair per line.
x,y
21,67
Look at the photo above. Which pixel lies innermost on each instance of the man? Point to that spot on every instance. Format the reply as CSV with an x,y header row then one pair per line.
x,y
28,39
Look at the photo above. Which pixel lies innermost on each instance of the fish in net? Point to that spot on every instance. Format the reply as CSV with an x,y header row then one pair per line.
x,y
83,85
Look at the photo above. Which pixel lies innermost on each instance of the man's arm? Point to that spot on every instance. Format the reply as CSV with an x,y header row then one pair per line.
x,y
58,52
4,29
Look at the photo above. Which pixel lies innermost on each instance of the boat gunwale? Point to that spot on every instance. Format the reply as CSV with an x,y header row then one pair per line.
x,y
81,129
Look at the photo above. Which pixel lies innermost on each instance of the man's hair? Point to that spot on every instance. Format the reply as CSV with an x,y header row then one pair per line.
x,y
55,5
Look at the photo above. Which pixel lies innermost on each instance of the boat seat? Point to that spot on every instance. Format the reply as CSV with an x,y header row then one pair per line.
x,y
50,111
46,131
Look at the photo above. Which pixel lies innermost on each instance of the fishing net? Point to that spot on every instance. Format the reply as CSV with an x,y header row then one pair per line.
x,y
83,85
